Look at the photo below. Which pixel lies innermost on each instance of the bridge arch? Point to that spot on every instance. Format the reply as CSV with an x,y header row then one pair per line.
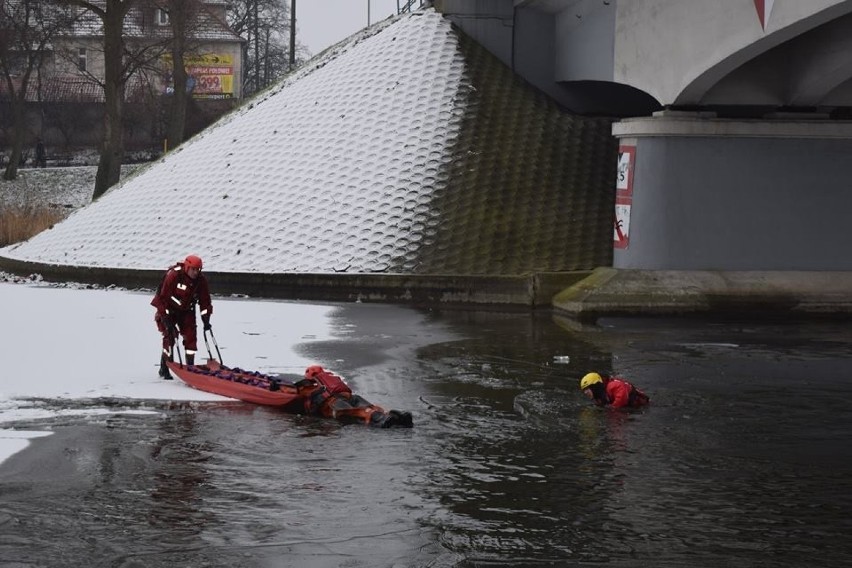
x,y
796,66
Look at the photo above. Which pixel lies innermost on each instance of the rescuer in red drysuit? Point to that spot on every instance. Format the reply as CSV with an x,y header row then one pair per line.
x,y
613,392
182,287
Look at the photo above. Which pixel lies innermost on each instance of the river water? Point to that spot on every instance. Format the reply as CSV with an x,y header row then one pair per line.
x,y
743,459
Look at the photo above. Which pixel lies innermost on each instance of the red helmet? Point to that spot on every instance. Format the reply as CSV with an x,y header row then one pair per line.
x,y
193,261
313,371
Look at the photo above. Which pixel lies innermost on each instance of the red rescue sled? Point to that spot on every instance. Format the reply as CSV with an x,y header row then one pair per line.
x,y
319,392
248,386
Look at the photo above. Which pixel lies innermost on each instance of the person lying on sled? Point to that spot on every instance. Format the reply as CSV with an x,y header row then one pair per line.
x,y
328,395
614,392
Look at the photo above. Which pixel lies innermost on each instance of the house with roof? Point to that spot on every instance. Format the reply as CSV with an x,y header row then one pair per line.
x,y
213,52
65,97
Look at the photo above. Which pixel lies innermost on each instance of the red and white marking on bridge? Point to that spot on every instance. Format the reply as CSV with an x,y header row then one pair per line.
x,y
623,196
764,8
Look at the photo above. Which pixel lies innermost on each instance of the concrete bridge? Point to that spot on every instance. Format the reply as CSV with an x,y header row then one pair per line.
x,y
734,136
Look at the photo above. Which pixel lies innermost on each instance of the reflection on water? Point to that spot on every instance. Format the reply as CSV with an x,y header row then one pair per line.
x,y
742,458
181,470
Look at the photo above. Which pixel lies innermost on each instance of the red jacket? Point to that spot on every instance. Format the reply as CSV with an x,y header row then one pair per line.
x,y
179,293
622,394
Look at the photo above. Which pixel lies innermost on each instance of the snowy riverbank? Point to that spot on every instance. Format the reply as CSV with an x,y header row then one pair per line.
x,y
76,343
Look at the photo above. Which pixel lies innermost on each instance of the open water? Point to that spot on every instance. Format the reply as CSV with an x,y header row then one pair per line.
x,y
743,459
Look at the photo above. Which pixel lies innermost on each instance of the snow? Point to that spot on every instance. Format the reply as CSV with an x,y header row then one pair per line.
x,y
72,343
332,170
62,188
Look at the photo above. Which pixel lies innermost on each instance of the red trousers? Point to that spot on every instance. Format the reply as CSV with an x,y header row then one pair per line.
x,y
185,322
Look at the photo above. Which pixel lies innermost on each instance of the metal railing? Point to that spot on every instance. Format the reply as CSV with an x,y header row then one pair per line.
x,y
407,5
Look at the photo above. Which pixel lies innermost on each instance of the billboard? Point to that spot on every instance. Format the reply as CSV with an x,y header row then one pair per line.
x,y
209,75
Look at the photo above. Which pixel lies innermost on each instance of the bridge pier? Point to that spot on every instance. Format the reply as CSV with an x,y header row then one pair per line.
x,y
712,194
727,215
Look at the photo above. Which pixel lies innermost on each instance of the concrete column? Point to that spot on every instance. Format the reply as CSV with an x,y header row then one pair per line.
x,y
712,194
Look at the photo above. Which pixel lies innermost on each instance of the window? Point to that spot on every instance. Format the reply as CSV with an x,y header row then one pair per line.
x,y
81,59
162,17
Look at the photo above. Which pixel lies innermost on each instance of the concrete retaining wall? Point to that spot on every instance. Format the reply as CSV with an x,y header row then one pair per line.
x,y
509,292
742,295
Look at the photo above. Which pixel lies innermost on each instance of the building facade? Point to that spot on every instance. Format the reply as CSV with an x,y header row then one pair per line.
x,y
65,95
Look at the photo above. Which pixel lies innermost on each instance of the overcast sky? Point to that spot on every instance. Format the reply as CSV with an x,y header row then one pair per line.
x,y
321,23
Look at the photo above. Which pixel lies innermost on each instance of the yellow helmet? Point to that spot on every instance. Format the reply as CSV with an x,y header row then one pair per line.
x,y
589,380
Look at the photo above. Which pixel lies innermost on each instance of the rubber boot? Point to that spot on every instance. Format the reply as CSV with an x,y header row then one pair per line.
x,y
190,359
164,371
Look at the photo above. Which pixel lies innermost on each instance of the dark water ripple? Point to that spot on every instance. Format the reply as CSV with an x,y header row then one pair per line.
x,y
742,460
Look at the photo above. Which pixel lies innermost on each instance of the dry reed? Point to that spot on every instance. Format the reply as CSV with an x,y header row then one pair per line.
x,y
21,223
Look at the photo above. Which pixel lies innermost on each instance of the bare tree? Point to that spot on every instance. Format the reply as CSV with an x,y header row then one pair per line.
x,y
27,28
121,60
111,14
265,24
184,20
68,122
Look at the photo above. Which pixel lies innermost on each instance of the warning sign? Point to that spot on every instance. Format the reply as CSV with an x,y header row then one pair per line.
x,y
621,229
623,196
626,162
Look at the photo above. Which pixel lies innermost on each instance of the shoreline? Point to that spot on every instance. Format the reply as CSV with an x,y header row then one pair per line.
x,y
584,296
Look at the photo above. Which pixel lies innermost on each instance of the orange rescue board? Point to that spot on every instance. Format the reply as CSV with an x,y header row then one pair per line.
x,y
235,383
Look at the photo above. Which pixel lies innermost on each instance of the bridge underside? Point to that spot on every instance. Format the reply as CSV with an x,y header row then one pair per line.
x,y
808,72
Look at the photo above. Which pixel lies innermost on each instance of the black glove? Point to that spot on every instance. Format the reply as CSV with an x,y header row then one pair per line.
x,y
163,319
166,321
206,321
